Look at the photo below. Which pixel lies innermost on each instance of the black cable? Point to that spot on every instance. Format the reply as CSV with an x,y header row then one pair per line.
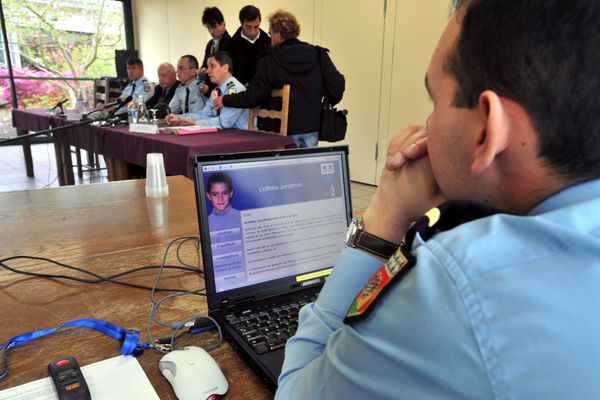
x,y
99,278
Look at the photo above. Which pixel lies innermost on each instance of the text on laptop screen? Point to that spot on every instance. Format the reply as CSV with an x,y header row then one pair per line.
x,y
276,218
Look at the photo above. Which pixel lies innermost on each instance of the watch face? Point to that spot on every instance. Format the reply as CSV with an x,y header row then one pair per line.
x,y
351,232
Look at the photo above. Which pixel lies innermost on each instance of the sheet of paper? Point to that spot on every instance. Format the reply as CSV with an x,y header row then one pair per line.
x,y
118,378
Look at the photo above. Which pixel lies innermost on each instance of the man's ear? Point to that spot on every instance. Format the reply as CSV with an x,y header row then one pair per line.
x,y
207,195
494,136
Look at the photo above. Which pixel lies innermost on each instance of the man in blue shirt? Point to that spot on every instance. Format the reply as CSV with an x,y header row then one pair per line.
x,y
479,303
189,96
138,84
219,72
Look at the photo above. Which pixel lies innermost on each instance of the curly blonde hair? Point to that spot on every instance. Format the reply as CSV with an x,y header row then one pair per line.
x,y
284,23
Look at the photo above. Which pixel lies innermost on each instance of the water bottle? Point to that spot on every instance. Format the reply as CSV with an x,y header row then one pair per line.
x,y
79,103
132,112
143,115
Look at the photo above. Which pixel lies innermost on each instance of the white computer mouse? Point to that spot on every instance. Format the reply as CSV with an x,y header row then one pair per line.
x,y
194,374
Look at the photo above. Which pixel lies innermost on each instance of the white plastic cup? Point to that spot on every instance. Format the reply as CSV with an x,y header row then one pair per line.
x,y
156,178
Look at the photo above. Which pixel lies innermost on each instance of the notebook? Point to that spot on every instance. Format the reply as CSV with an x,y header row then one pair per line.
x,y
272,224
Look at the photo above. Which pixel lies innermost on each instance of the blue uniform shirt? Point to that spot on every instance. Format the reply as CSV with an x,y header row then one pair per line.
x,y
142,86
196,99
227,117
503,307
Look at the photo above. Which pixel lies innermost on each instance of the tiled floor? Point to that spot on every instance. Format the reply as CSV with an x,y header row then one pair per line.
x,y
13,175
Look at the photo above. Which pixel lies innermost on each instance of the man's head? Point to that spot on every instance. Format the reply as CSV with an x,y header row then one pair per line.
x,y
219,68
166,75
213,20
250,21
514,91
220,190
187,68
283,26
135,69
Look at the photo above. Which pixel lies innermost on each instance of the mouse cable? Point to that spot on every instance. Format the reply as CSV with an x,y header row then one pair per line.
x,y
175,326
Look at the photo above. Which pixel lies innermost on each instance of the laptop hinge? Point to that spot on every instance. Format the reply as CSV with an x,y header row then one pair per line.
x,y
232,301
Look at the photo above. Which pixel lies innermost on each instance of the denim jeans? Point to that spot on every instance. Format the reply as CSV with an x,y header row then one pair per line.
x,y
306,139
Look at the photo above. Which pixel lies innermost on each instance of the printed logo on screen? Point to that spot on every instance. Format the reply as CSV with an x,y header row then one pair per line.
x,y
327,169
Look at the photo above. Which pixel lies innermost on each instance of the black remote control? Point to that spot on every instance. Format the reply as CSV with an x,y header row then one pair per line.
x,y
68,379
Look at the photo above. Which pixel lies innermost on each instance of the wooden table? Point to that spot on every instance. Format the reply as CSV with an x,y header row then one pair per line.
x,y
106,229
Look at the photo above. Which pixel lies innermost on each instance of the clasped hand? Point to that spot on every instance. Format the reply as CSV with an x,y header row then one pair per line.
x,y
407,187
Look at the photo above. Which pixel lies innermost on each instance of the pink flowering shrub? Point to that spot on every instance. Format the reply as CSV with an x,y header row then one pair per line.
x,y
31,93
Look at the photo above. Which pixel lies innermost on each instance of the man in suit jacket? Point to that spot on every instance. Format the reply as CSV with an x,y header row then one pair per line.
x,y
167,83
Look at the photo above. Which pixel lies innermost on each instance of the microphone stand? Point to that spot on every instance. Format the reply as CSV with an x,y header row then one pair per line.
x,y
108,118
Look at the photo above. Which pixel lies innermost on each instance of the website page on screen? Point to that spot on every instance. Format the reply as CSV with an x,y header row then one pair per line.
x,y
277,218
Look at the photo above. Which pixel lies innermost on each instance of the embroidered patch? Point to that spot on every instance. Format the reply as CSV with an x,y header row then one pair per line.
x,y
232,91
395,268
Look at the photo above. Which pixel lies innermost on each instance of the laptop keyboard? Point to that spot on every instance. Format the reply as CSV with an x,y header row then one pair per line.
x,y
268,327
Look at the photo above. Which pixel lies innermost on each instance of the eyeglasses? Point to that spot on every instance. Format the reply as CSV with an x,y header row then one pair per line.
x,y
180,68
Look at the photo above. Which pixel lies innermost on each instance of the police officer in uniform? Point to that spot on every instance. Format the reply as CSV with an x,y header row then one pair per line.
x,y
478,303
189,96
219,72
138,84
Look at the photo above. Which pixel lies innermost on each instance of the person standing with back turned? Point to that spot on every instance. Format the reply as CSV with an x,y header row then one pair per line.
x,y
291,61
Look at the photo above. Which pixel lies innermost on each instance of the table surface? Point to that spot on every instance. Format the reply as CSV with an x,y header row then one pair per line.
x,y
107,228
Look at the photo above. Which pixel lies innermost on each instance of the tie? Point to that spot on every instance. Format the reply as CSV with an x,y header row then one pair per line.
x,y
187,98
132,89
213,47
218,90
163,95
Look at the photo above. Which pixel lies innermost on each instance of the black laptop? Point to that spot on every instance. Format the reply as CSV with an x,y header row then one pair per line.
x,y
272,224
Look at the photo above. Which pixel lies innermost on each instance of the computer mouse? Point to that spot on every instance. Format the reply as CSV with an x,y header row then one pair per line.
x,y
194,374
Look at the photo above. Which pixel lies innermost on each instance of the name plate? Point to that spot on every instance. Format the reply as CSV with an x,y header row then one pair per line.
x,y
73,115
144,128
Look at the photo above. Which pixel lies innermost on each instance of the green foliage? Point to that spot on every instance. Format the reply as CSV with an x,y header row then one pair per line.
x,y
73,38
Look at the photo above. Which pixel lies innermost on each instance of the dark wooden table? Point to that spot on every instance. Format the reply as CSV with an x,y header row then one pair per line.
x,y
105,228
122,148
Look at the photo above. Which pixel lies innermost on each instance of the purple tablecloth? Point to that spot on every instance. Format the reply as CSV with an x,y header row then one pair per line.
x,y
120,144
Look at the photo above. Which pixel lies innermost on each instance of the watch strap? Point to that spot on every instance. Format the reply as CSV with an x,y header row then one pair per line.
x,y
374,245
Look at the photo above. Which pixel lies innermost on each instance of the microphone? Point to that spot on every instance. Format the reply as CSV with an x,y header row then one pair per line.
x,y
119,104
162,110
59,105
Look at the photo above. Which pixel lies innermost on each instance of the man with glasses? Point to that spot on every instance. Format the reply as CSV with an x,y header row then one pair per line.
x,y
248,44
189,96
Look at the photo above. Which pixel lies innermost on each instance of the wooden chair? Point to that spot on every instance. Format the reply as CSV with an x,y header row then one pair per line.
x,y
282,114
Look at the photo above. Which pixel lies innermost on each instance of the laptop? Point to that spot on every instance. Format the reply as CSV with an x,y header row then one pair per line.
x,y
272,224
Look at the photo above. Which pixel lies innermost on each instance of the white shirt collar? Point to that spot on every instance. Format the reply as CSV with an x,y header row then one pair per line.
x,y
248,39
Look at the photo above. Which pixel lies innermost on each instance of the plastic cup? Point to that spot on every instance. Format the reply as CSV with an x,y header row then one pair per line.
x,y
156,178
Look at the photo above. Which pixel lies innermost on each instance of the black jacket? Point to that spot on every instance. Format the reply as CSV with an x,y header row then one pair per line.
x,y
245,55
153,101
223,44
296,63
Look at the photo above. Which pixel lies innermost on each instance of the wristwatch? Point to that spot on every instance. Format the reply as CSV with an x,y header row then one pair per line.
x,y
359,239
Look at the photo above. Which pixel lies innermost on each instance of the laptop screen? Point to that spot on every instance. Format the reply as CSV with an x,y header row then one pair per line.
x,y
272,216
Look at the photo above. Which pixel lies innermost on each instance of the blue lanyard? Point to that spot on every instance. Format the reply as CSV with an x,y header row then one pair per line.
x,y
128,337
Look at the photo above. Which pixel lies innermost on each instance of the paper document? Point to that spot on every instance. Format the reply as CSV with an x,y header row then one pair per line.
x,y
118,378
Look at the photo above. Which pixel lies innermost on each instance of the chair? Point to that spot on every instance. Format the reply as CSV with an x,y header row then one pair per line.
x,y
282,114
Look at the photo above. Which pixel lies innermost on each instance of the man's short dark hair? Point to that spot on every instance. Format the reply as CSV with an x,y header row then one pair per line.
x,y
135,61
545,56
192,61
249,13
223,58
212,16
220,177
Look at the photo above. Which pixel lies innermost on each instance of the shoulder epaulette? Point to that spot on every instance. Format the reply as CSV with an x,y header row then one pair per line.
x,y
441,218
